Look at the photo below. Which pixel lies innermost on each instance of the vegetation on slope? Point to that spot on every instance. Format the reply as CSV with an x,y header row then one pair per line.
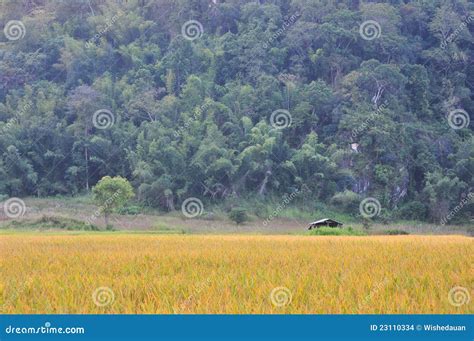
x,y
193,118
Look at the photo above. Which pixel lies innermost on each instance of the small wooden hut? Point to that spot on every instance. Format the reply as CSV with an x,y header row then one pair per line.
x,y
324,222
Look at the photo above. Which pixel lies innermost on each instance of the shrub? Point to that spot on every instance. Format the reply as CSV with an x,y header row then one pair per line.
x,y
238,215
396,232
413,210
130,210
52,222
333,231
367,223
346,201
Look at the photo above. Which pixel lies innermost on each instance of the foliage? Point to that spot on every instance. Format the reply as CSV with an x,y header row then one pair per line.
x,y
394,232
192,118
130,210
413,210
346,201
51,223
111,194
238,215
334,231
366,223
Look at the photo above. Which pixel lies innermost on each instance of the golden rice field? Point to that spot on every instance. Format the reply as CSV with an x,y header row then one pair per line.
x,y
133,273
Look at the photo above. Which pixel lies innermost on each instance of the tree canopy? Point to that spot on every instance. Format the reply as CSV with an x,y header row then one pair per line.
x,y
228,99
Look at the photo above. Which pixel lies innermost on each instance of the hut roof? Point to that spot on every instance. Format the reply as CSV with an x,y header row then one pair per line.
x,y
324,221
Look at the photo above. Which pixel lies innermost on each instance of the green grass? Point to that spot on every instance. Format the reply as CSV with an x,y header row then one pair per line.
x,y
69,224
81,233
50,222
162,228
63,213
335,231
395,232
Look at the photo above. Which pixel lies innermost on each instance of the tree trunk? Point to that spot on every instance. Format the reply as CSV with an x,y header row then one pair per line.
x,y
263,186
86,153
170,202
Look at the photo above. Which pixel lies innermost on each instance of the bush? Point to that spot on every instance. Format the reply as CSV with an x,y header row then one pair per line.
x,y
110,227
367,223
260,209
130,210
238,215
413,210
396,232
52,222
346,201
334,231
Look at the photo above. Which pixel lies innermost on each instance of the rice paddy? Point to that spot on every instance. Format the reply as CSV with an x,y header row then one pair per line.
x,y
86,273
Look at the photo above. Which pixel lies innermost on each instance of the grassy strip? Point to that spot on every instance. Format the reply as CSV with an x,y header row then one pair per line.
x,y
330,231
50,222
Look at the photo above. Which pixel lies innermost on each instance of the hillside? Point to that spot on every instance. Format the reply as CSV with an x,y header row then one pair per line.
x,y
310,104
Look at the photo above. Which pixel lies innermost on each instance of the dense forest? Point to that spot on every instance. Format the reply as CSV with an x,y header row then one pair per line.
x,y
229,100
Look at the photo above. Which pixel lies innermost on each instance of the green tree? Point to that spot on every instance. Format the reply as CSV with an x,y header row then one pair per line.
x,y
111,194
238,215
